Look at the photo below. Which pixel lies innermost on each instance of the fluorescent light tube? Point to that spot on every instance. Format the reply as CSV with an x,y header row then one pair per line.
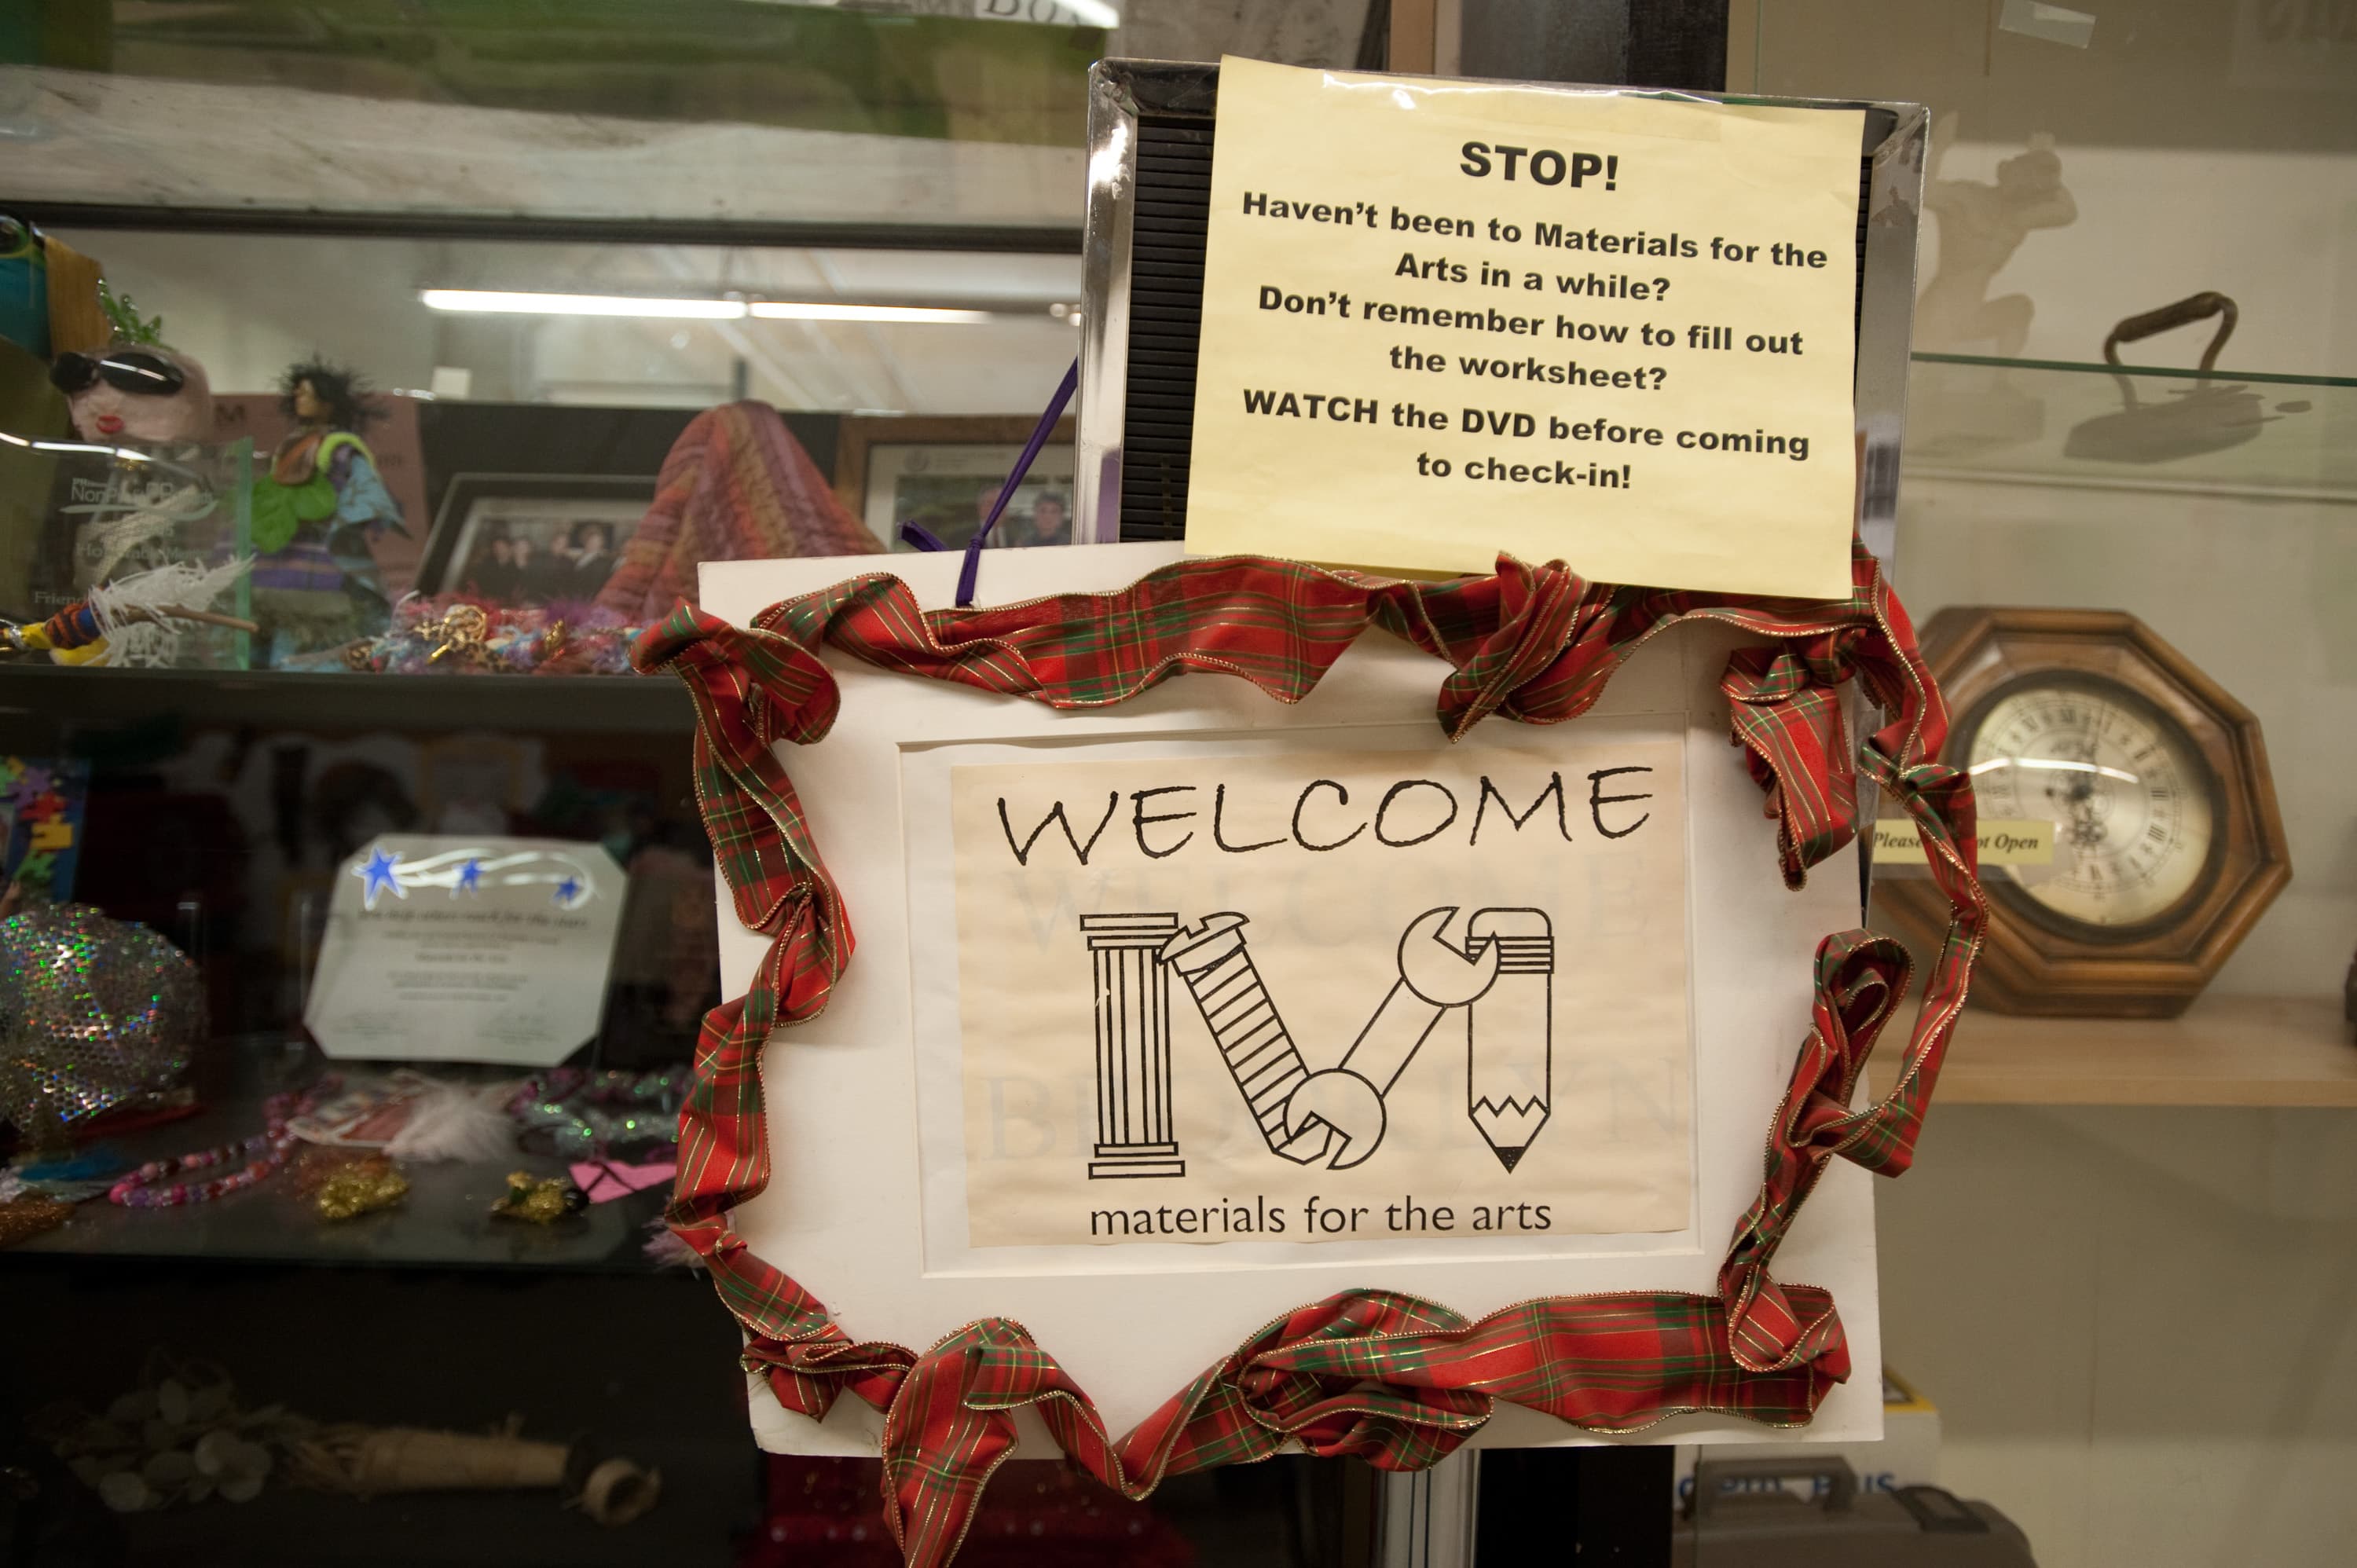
x,y
494,302
789,310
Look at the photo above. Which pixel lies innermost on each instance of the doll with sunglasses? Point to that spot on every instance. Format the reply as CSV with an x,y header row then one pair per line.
x,y
315,513
136,393
136,389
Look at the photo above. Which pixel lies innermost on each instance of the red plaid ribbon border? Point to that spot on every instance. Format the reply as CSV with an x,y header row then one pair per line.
x,y
1397,1380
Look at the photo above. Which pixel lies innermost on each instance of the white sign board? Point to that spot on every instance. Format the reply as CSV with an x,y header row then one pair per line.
x,y
467,948
1312,993
1082,1096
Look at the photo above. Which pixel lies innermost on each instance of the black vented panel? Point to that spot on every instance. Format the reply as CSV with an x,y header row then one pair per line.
x,y
1165,323
1857,242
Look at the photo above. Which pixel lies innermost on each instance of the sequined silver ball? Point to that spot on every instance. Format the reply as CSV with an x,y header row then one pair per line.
x,y
95,1013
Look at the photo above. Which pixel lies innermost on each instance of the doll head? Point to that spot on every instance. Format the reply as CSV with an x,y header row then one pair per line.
x,y
135,391
315,392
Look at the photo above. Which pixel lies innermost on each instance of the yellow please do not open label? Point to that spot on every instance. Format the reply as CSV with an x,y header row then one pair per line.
x,y
2004,842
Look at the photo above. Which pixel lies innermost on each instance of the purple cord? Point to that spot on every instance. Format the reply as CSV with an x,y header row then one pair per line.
x,y
924,538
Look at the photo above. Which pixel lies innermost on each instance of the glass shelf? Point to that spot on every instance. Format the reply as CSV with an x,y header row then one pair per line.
x,y
2137,426
2229,1050
446,1221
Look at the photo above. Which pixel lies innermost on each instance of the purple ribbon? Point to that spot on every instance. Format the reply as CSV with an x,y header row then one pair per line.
x,y
923,538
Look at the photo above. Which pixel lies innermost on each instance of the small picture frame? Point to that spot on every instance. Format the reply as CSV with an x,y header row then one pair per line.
x,y
513,540
944,473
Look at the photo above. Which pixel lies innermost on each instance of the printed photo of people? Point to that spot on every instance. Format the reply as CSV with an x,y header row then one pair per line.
x,y
517,552
1047,520
953,507
948,490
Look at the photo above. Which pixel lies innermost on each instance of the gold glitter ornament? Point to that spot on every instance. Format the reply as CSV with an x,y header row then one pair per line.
x,y
21,1218
360,1186
542,1201
463,629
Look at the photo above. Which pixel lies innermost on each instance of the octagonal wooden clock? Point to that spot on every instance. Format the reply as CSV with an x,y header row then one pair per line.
x,y
2169,844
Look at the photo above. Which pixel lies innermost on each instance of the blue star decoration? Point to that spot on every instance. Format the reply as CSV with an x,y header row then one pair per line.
x,y
470,878
377,877
568,892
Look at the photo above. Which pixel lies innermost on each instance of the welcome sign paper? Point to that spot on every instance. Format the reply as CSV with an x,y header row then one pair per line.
x,y
1316,995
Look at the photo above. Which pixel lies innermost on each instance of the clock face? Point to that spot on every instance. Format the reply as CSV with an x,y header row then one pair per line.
x,y
2128,791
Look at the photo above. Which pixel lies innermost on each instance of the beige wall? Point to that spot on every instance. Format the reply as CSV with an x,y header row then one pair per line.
x,y
2209,144
2140,1327
250,308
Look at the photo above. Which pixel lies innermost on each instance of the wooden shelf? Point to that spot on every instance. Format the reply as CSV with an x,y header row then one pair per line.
x,y
2228,1051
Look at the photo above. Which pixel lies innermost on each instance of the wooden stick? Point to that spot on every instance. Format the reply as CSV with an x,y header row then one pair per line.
x,y
180,612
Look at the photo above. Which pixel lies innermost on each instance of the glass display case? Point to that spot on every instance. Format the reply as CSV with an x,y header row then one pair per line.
x,y
443,343
2123,527
423,333
2186,539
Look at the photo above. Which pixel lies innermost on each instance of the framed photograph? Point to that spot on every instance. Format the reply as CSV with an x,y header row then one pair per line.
x,y
531,538
944,473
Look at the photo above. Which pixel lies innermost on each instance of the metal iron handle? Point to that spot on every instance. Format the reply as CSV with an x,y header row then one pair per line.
x,y
2191,308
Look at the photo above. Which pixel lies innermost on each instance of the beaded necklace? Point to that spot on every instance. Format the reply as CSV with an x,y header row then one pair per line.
x,y
267,1150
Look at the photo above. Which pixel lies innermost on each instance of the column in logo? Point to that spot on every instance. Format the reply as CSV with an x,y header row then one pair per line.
x,y
1135,1136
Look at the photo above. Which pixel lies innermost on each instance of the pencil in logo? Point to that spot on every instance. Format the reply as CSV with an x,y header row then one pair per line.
x,y
1509,1035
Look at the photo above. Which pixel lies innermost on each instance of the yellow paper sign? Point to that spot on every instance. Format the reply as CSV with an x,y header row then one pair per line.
x,y
1442,321
2004,842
